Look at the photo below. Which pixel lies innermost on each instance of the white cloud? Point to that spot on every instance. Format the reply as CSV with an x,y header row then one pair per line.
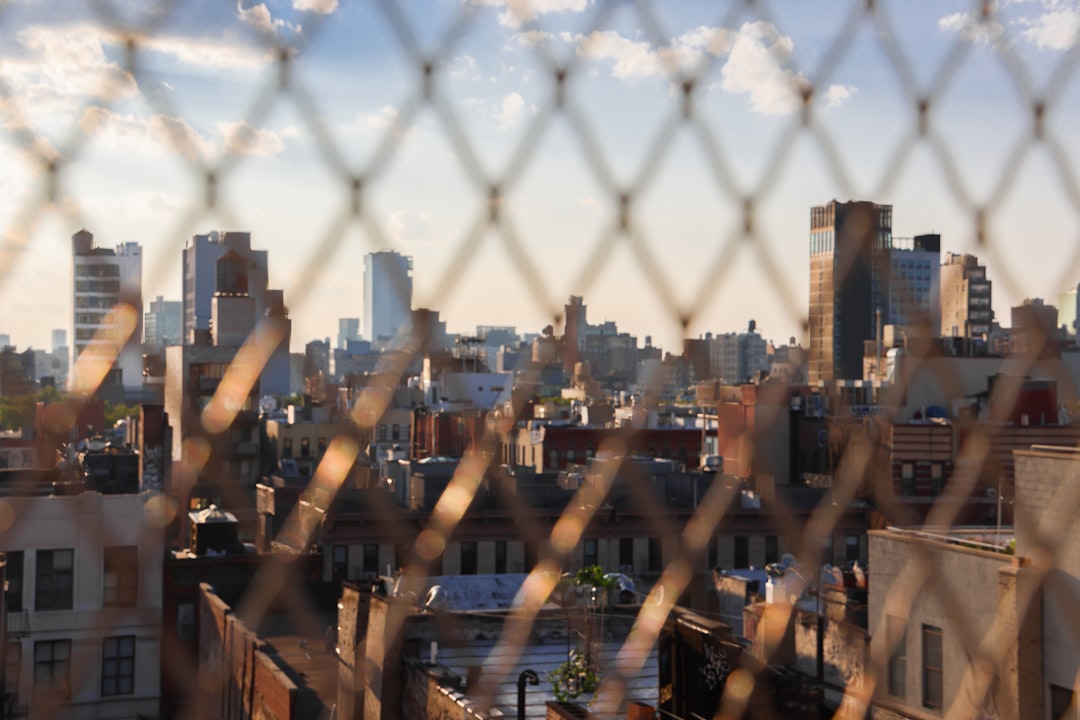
x,y
837,94
164,134
754,62
971,27
208,53
1055,29
260,18
322,7
408,227
240,138
755,67
463,67
385,117
54,70
518,12
510,110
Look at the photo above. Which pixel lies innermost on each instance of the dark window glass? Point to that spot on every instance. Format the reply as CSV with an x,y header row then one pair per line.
x,y
339,562
13,598
305,447
54,580
592,556
772,549
898,659
371,558
468,558
118,665
933,689
532,555
320,446
52,667
626,553
286,447
121,580
656,559
500,556
742,552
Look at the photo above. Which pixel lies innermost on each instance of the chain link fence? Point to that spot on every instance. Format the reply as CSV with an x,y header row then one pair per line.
x,y
862,449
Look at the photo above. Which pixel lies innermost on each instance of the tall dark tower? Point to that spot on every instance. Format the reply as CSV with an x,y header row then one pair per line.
x,y
849,277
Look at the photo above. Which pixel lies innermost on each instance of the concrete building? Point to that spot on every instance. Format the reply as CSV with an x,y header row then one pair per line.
x,y
1069,311
348,329
103,279
1047,532
737,358
915,283
966,296
83,606
226,297
163,323
931,629
59,340
1034,329
849,285
387,294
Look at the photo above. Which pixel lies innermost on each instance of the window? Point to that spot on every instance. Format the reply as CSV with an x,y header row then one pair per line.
x,y
185,621
772,549
907,479
121,582
742,552
54,579
305,447
500,556
936,478
12,669
626,553
656,560
468,558
52,665
371,558
591,553
339,562
851,548
532,554
395,432
118,666
13,597
896,629
320,446
286,447
933,689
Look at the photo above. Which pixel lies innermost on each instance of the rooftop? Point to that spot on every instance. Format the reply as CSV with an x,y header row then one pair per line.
x,y
988,538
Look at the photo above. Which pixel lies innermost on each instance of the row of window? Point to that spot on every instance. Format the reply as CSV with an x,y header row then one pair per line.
x,y
52,667
305,447
97,286
469,558
54,578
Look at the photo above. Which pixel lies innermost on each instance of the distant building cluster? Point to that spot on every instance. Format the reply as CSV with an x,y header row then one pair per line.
x,y
139,541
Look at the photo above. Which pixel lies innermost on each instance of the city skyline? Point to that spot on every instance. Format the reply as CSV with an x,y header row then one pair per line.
x,y
201,71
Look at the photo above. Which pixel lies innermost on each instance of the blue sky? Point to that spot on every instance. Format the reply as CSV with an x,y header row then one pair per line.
x,y
147,139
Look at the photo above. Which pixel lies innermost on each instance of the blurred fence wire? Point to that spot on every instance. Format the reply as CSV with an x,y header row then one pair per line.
x,y
862,475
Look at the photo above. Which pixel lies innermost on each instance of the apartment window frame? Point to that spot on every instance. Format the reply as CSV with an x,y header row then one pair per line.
x,y
370,558
120,579
626,553
772,549
339,562
740,552
54,584
52,667
933,674
656,555
118,666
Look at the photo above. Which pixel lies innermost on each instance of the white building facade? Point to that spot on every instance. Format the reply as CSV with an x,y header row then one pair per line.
x,y
103,280
387,294
84,606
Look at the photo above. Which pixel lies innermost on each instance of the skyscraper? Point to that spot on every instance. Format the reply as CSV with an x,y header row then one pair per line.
x,y
163,322
850,247
200,277
103,279
387,294
915,283
348,329
965,297
59,340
